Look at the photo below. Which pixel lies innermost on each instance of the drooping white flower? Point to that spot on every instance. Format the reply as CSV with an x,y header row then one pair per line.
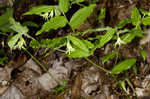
x,y
69,48
119,42
47,15
21,43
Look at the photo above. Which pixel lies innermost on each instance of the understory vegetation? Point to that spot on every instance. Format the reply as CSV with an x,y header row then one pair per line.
x,y
58,29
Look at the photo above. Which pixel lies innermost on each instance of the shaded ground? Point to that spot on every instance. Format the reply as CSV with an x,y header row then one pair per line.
x,y
23,78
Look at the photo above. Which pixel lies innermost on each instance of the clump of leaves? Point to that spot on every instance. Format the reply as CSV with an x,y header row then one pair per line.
x,y
60,89
80,48
73,44
17,41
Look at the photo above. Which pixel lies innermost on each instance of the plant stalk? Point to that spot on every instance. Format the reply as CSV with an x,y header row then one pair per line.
x,y
43,67
105,70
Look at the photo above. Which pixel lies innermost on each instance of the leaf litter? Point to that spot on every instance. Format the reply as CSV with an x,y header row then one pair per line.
x,y
85,81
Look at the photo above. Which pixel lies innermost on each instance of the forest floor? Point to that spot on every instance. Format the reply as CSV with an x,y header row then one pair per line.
x,y
23,78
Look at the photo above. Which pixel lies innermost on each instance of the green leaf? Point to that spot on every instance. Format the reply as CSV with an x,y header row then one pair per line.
x,y
102,14
49,43
80,48
30,24
137,31
122,66
128,37
106,38
57,12
79,43
135,16
21,30
122,85
64,5
134,67
88,44
34,44
6,29
4,18
108,57
123,23
21,43
146,20
13,41
77,1
78,53
54,23
38,10
17,27
80,16
144,12
143,54
57,43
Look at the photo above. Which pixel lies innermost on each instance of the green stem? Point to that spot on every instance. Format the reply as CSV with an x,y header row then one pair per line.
x,y
43,67
81,5
117,54
130,84
67,20
61,50
105,70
